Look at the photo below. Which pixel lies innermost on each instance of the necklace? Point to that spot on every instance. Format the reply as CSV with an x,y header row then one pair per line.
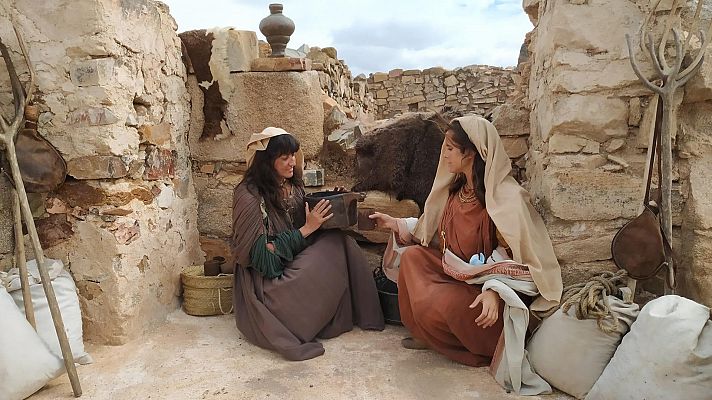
x,y
288,198
466,196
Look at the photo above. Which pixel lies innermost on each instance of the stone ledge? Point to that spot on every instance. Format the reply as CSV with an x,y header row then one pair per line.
x,y
280,64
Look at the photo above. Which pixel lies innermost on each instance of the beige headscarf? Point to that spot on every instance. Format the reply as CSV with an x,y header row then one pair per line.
x,y
259,142
507,204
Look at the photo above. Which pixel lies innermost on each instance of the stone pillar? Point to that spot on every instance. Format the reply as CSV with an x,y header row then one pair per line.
x,y
591,121
113,101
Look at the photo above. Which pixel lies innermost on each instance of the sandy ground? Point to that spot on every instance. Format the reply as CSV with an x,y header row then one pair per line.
x,y
205,358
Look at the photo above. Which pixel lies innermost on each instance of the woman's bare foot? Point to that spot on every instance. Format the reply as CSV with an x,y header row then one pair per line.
x,y
413,344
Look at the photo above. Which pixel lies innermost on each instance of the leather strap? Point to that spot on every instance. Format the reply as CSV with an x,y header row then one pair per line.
x,y
657,138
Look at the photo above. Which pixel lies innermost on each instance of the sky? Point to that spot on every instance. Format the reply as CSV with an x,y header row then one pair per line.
x,y
380,35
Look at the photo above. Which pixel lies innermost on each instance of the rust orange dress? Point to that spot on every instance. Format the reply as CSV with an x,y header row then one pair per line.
x,y
434,306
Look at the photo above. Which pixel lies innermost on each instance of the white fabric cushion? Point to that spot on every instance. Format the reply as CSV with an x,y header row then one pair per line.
x,y
26,364
666,355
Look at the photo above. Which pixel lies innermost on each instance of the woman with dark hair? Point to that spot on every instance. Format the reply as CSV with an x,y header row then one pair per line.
x,y
293,284
478,259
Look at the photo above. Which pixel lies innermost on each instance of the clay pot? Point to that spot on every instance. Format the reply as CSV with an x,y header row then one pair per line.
x,y
227,268
277,29
364,222
212,267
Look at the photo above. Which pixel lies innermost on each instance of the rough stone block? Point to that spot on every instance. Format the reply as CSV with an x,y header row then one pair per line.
x,y
160,164
488,100
451,81
515,146
413,99
379,77
395,73
260,100
328,103
699,88
280,64
98,71
592,195
597,248
574,273
92,116
155,134
531,7
594,27
313,177
579,73
97,167
699,203
435,96
695,275
601,119
511,120
572,144
215,247
615,145
242,48
165,199
345,137
635,112
215,212
334,119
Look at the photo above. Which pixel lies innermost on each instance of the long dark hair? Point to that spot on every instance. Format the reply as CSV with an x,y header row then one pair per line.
x,y
462,142
262,176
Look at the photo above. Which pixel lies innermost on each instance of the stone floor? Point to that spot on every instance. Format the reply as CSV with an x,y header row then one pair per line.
x,y
205,358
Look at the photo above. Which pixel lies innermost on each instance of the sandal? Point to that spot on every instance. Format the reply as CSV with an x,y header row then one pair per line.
x,y
413,344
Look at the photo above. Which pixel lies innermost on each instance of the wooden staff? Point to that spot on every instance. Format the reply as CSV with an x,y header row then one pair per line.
x,y
8,132
673,77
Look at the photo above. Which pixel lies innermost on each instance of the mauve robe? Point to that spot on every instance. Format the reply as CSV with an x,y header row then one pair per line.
x,y
322,293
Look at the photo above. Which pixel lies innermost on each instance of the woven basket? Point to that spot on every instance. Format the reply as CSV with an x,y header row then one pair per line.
x,y
206,295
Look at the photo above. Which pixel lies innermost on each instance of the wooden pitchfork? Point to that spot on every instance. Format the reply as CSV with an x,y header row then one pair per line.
x,y
8,133
673,77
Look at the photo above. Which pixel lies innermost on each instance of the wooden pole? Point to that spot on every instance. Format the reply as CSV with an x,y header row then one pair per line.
x,y
44,274
9,132
21,260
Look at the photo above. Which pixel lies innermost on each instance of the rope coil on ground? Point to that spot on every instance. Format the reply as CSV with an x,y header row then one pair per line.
x,y
590,299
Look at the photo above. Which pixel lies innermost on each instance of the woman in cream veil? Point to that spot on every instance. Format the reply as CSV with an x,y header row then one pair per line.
x,y
475,212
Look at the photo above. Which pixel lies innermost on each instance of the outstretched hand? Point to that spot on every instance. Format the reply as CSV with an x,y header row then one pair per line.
x,y
384,221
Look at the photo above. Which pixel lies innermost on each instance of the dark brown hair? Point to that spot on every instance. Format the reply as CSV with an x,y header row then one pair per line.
x,y
463,143
261,173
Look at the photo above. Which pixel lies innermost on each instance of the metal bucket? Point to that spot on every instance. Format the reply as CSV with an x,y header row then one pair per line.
x,y
388,296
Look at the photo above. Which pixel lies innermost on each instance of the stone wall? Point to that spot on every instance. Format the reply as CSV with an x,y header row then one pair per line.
x,y
472,89
336,81
113,101
590,127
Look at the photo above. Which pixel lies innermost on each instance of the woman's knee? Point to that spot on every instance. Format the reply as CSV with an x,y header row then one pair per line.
x,y
410,258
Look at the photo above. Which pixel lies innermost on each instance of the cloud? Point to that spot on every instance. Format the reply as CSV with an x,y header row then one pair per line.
x,y
399,34
379,35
